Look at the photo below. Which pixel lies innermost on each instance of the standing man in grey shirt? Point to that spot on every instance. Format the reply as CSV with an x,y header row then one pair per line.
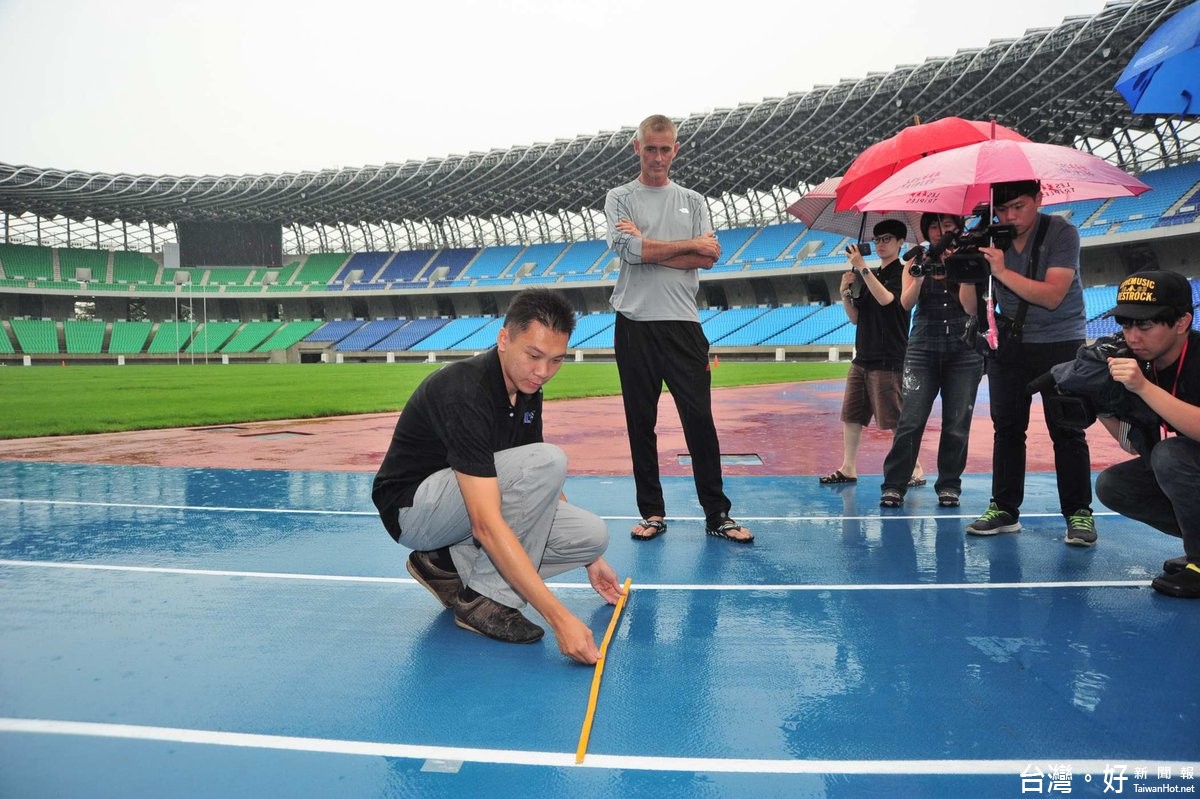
x,y
663,235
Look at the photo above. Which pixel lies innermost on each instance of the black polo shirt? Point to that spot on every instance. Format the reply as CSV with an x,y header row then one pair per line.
x,y
882,333
459,417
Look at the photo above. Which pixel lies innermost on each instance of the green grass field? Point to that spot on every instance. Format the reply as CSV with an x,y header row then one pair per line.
x,y
57,400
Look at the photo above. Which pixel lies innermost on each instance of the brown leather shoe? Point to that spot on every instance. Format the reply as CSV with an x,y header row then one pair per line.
x,y
442,584
493,620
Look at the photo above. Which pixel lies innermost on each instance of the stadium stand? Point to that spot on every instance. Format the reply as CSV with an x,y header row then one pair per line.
x,y
586,327
367,265
171,337
770,242
36,336
335,330
448,264
250,336
31,263
581,257
537,259
812,328
409,334
72,263
406,267
225,275
491,261
449,335
367,335
728,321
291,334
482,338
84,337
6,345
764,327
210,336
134,267
129,338
319,268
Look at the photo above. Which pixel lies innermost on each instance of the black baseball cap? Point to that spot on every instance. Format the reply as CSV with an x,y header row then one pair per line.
x,y
1146,295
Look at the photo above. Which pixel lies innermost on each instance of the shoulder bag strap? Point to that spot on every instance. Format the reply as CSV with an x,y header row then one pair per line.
x,y
1019,318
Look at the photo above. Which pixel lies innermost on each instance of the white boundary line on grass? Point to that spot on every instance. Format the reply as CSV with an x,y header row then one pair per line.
x,y
342,578
177,735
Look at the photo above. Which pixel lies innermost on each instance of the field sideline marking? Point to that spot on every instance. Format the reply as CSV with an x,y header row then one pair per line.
x,y
49,564
518,757
222,509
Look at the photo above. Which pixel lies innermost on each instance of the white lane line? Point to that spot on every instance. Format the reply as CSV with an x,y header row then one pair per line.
x,y
228,509
345,578
563,759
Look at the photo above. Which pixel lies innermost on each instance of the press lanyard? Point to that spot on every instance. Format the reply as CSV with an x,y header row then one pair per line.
x,y
1178,371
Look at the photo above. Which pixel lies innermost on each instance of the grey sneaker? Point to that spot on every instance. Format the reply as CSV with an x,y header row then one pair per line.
x,y
1081,528
493,620
442,584
993,522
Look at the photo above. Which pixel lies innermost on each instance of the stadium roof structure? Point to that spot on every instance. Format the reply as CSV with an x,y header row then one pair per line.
x,y
1051,84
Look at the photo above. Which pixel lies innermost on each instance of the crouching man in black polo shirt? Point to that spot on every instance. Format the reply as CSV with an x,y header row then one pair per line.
x,y
468,484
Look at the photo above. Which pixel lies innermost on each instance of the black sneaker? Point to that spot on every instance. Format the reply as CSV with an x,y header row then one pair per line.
x,y
993,522
1081,528
493,620
441,583
1184,583
1175,565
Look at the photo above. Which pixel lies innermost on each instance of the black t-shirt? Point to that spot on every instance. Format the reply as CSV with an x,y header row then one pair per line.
x,y
459,417
882,334
1188,386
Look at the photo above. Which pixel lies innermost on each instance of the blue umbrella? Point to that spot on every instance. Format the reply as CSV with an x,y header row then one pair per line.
x,y
1164,75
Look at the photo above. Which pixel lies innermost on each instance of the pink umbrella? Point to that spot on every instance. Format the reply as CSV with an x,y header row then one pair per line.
x,y
957,181
816,209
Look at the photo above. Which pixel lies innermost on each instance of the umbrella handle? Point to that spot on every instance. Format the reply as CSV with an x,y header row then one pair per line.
x,y
993,338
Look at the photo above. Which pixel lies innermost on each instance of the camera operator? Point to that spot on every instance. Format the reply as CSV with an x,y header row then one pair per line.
x,y
1154,309
938,360
1054,328
880,337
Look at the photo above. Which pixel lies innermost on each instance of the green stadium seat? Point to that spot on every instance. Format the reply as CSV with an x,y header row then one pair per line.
x,y
84,337
129,338
36,336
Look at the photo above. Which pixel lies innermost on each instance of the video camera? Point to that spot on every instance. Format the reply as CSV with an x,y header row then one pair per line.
x,y
965,264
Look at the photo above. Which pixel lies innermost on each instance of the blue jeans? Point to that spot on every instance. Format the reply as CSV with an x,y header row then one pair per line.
x,y
1161,493
956,376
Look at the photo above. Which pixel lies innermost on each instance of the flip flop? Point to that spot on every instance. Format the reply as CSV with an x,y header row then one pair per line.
x,y
657,525
723,529
837,477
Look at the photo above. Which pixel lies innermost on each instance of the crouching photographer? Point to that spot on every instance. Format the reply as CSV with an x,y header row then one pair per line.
x,y
1158,488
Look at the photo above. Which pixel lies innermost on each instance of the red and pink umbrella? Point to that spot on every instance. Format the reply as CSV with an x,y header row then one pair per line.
x,y
883,159
957,181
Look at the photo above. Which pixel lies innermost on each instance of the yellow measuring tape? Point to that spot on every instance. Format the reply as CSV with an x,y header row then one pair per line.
x,y
581,750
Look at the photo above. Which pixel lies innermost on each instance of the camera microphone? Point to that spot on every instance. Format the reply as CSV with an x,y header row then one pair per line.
x,y
915,252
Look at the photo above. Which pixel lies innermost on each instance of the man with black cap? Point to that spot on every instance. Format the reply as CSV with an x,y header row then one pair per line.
x,y
1036,282
1154,309
880,339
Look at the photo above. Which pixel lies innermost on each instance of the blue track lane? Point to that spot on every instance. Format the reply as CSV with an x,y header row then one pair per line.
x,y
846,653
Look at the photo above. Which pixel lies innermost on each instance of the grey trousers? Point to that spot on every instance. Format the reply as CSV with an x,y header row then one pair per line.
x,y
556,535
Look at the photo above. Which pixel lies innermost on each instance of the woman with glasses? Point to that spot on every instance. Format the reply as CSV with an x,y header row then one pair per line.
x,y
938,361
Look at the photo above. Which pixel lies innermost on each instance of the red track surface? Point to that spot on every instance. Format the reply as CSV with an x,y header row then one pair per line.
x,y
793,427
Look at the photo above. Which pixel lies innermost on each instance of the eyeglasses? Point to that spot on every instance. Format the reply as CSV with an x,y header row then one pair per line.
x,y
885,239
1141,324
